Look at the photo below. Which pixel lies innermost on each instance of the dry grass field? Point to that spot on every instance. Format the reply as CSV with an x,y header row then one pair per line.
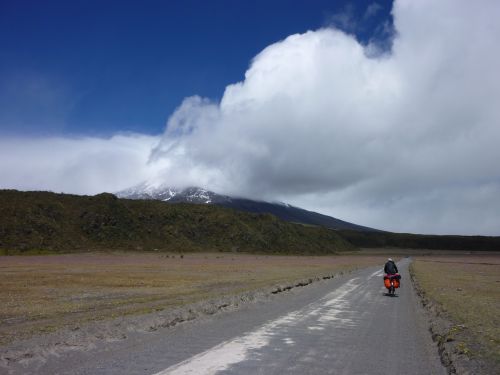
x,y
44,293
467,288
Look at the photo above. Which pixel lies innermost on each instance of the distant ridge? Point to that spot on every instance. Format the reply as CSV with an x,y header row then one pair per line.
x,y
202,196
44,221
61,222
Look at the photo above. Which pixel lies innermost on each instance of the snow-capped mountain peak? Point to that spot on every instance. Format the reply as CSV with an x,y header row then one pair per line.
x,y
171,194
198,195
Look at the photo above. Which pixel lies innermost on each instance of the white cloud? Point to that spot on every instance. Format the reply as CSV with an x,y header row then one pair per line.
x,y
79,165
408,140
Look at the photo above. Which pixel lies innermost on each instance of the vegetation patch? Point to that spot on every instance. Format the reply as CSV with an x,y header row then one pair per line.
x,y
465,291
381,239
43,222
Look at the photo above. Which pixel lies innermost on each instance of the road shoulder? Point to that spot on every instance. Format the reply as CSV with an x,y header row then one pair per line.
x,y
448,336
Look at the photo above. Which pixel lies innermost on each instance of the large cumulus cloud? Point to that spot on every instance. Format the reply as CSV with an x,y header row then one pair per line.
x,y
406,140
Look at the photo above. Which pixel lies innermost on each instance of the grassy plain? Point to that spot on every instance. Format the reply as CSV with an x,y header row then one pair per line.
x,y
44,293
467,290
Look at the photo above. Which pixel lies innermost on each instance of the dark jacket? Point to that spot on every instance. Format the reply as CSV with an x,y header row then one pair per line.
x,y
390,268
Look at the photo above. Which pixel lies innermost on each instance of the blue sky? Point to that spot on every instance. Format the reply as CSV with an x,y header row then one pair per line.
x,y
102,67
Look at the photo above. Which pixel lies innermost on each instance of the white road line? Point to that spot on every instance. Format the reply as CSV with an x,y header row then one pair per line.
x,y
233,351
376,273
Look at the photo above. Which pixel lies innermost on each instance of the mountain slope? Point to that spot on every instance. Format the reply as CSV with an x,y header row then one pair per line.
x,y
292,214
199,195
62,222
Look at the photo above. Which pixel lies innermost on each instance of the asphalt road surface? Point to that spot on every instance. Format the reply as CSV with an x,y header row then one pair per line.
x,y
343,326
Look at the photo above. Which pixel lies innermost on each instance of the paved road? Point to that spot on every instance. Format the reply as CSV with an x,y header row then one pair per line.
x,y
343,326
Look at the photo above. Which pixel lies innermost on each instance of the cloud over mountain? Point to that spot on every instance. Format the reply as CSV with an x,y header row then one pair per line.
x,y
408,138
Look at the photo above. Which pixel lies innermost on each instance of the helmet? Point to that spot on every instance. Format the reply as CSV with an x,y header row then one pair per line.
x,y
390,260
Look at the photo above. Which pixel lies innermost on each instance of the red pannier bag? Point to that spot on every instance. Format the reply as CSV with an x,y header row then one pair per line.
x,y
387,282
395,280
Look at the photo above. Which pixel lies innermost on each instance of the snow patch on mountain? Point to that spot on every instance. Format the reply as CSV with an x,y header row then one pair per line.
x,y
171,194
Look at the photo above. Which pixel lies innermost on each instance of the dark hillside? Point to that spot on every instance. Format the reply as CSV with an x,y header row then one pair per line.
x,y
421,241
62,222
291,213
